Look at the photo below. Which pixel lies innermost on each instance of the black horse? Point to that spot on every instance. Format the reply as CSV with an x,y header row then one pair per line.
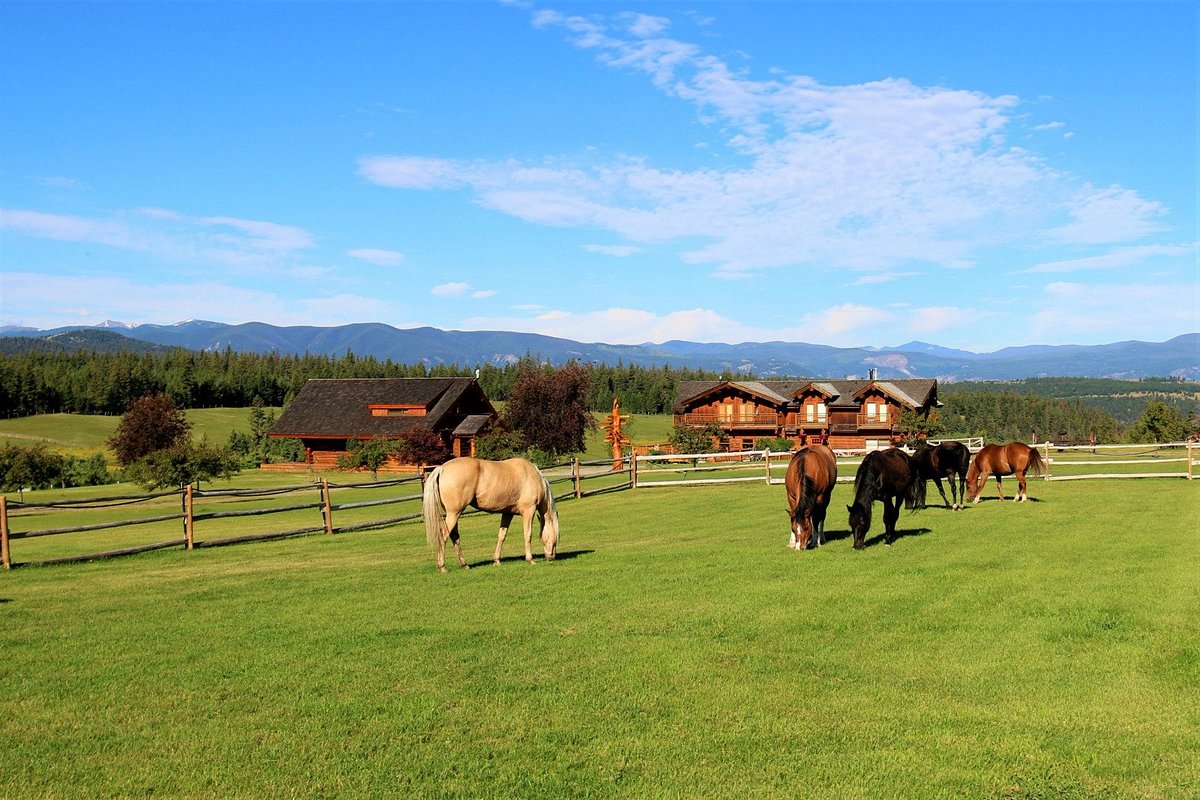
x,y
947,460
890,476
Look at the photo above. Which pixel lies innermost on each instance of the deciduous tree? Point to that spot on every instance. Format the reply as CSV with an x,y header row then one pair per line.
x,y
151,423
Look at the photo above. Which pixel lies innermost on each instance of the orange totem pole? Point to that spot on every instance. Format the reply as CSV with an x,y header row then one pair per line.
x,y
613,434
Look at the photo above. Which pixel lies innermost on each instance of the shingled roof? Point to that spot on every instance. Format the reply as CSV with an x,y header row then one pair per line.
x,y
340,408
912,392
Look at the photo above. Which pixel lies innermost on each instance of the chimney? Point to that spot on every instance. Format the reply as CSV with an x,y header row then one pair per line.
x,y
873,374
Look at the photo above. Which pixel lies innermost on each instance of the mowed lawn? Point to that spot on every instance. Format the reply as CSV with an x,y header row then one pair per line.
x,y
675,649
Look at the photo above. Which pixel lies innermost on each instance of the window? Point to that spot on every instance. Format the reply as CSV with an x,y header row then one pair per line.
x,y
821,413
883,412
810,412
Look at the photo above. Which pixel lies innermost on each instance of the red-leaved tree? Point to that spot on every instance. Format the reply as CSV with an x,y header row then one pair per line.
x,y
551,409
150,424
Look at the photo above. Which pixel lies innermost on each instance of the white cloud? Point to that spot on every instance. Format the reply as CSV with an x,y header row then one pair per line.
x,y
483,294
409,172
618,250
382,258
864,177
1109,215
46,300
1120,258
453,289
224,241
1114,312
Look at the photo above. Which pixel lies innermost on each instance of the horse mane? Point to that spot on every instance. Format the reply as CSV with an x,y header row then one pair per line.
x,y
549,495
867,480
808,491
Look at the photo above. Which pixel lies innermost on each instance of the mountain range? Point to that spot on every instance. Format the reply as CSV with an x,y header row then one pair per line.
x,y
1178,357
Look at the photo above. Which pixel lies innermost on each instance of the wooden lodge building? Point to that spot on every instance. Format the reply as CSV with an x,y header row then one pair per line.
x,y
327,413
854,414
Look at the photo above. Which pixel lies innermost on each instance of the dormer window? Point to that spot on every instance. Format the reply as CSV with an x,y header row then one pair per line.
x,y
397,410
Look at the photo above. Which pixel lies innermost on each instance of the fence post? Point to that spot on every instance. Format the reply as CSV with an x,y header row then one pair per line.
x,y
575,475
767,460
1048,470
189,520
4,554
1189,458
633,462
326,507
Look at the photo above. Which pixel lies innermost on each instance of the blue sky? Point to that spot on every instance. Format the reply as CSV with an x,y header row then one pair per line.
x,y
972,174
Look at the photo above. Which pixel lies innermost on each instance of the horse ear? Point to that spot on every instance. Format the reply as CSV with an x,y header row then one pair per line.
x,y
849,508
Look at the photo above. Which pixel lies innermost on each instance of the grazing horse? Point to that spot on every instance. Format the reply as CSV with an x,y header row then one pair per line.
x,y
513,487
811,476
1014,458
890,476
947,460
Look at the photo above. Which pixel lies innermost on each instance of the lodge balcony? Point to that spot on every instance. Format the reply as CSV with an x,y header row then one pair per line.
x,y
876,422
766,421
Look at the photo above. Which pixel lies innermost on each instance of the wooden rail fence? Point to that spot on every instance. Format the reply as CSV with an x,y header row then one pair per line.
x,y
571,480
585,478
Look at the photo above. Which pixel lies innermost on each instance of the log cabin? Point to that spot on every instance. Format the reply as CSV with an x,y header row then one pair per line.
x,y
327,413
853,414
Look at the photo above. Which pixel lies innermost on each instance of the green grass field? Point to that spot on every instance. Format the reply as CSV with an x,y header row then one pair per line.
x,y
676,649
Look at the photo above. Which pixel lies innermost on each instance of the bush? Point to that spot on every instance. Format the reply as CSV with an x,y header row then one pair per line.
x,y
777,444
183,463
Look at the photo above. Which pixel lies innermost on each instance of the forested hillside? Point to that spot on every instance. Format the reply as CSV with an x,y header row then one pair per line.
x,y
1124,400
107,382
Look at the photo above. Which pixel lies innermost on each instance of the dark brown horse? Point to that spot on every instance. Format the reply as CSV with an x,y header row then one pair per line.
x,y
811,476
890,476
1014,458
947,460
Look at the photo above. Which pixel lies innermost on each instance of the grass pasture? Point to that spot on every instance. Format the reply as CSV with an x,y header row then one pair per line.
x,y
676,649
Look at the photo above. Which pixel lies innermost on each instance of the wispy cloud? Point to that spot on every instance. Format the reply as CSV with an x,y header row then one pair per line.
x,y
382,258
863,177
226,241
46,300
618,250
1119,258
452,289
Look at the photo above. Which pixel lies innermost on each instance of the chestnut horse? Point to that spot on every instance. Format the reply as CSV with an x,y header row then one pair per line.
x,y
811,476
889,476
948,460
1014,458
509,487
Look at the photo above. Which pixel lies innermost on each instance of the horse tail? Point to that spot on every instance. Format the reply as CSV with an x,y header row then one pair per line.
x,y
1036,462
915,497
432,508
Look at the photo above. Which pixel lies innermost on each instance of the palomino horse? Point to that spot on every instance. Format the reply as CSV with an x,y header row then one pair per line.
x,y
890,476
947,460
811,476
1014,458
513,487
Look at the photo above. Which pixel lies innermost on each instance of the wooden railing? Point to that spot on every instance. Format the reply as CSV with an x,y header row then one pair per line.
x,y
756,420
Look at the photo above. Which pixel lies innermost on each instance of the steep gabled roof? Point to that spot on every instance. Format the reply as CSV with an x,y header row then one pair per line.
x,y
336,408
911,392
690,391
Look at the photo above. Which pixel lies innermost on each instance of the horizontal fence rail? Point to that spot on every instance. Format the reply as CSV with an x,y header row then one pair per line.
x,y
192,518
